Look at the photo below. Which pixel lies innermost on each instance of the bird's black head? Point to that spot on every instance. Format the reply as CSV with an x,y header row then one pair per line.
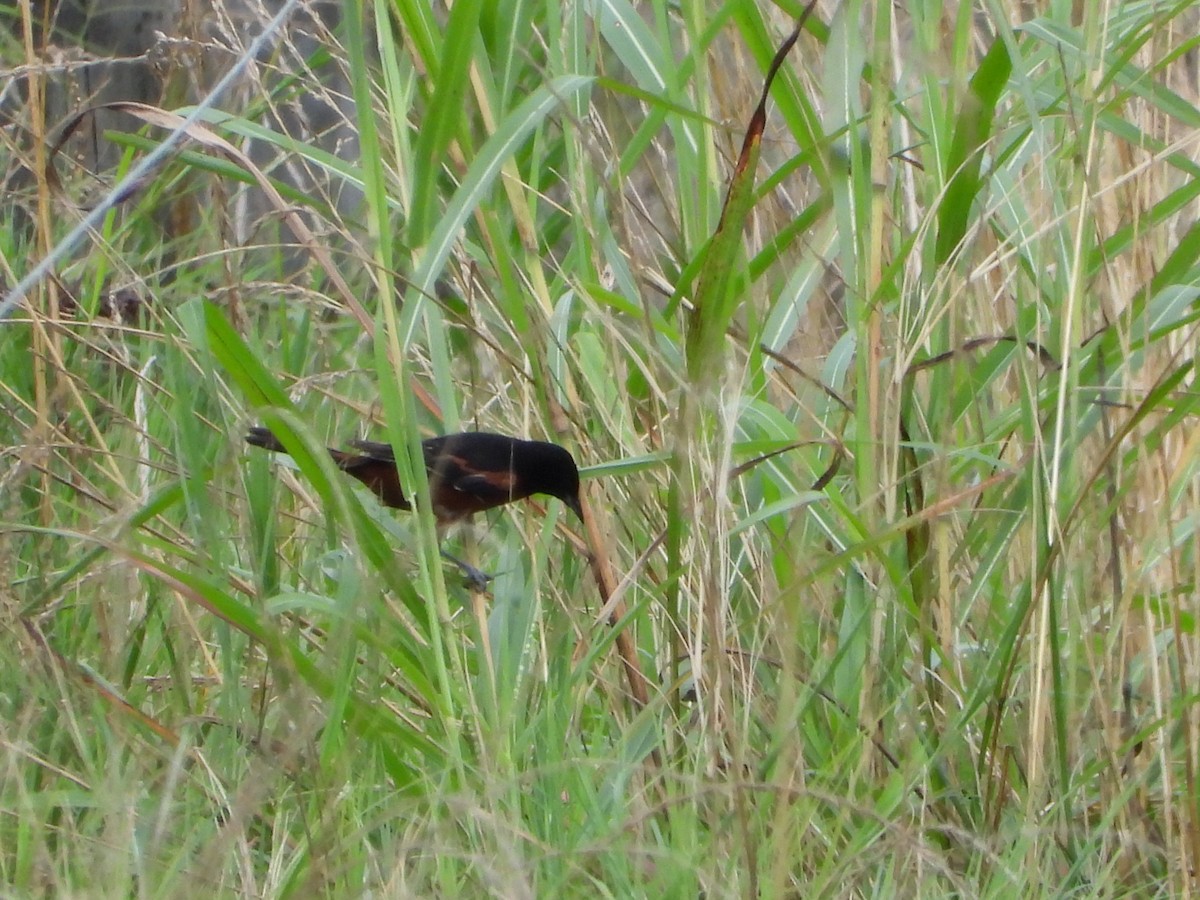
x,y
547,468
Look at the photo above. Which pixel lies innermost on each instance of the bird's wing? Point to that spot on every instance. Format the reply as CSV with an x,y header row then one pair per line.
x,y
491,487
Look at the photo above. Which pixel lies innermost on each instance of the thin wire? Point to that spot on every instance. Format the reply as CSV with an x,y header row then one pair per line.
x,y
142,169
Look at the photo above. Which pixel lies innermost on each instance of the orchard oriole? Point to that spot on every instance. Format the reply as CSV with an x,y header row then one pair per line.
x,y
468,473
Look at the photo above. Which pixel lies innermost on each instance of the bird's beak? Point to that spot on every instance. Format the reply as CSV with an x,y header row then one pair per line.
x,y
574,504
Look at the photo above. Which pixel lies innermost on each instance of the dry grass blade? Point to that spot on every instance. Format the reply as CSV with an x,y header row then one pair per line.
x,y
209,139
715,302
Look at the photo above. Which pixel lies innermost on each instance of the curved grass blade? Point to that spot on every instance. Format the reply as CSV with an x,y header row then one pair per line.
x,y
715,300
971,133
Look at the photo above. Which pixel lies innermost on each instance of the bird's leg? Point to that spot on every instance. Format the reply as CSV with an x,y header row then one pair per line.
x,y
477,579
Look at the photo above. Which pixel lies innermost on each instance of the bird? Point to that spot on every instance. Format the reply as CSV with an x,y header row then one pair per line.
x,y
468,473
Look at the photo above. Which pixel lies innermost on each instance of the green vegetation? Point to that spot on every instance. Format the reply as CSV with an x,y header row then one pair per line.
x,y
892,476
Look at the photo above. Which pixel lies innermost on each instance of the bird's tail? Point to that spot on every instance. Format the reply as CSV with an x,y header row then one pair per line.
x,y
265,438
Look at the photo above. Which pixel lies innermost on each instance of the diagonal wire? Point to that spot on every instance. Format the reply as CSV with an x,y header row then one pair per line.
x,y
139,172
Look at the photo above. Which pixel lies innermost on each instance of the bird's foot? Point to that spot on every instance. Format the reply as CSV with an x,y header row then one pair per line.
x,y
476,579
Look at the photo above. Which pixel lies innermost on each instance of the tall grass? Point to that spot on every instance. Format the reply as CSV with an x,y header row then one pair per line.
x,y
905,549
